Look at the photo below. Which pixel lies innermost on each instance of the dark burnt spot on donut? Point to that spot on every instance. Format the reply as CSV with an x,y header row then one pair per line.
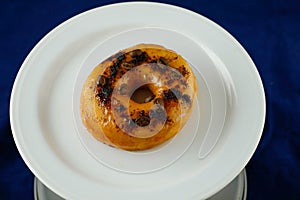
x,y
127,65
114,68
136,53
159,101
120,57
106,91
122,72
113,71
162,64
183,71
101,80
169,94
103,93
143,121
172,94
131,114
142,113
154,61
119,60
116,57
131,59
169,121
163,61
139,58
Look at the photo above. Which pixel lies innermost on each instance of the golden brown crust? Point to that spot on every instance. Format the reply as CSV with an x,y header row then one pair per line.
x,y
112,116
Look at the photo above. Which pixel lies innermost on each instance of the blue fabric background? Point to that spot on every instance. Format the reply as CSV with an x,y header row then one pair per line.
x,y
268,29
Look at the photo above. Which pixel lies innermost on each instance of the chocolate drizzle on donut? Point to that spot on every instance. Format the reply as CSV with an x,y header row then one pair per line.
x,y
118,55
123,62
139,97
159,101
101,80
136,53
172,94
116,64
104,93
183,71
163,61
113,71
143,119
127,65
120,58
162,64
139,58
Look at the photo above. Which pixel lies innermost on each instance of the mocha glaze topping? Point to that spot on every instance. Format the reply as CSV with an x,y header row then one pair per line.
x,y
121,63
139,97
124,62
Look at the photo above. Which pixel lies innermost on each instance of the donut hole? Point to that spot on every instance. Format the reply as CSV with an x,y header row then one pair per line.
x,y
142,95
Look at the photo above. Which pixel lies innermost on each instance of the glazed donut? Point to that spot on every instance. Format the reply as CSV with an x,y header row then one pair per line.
x,y
138,98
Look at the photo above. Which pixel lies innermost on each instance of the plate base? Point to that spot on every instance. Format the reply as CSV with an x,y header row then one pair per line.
x,y
235,190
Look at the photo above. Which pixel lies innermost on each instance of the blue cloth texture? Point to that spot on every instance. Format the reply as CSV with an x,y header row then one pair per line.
x,y
269,30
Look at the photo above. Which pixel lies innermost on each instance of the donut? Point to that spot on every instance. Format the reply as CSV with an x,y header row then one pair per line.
x,y
138,98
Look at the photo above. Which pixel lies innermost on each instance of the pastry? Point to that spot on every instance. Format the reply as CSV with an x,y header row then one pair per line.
x,y
138,98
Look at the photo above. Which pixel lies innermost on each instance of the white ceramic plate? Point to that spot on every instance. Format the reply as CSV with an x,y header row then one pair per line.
x,y
235,190
42,116
210,102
